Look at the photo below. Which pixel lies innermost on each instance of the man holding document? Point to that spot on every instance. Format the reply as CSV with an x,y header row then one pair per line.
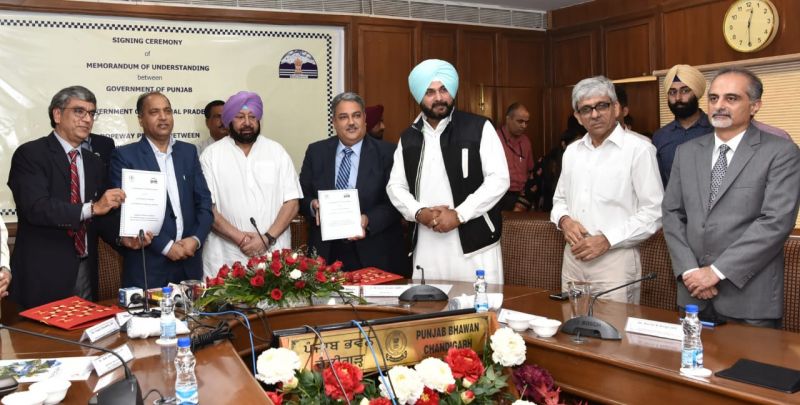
x,y
254,188
60,192
344,187
186,217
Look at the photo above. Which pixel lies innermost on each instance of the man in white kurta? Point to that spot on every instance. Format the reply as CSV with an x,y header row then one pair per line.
x,y
438,248
608,198
248,180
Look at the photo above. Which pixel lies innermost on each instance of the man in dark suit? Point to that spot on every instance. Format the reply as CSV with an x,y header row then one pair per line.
x,y
353,161
101,146
173,255
60,195
730,204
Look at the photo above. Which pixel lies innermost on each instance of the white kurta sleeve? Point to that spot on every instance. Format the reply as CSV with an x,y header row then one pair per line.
x,y
208,172
495,177
290,182
560,206
397,188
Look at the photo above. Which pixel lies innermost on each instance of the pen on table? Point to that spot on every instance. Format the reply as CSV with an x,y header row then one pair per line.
x,y
707,324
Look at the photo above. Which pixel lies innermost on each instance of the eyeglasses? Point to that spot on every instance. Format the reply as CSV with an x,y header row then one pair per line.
x,y
81,113
683,90
599,107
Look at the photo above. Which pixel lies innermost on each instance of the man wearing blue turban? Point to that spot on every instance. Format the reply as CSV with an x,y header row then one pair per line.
x,y
449,173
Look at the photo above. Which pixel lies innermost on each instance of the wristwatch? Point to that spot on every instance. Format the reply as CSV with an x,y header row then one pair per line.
x,y
270,239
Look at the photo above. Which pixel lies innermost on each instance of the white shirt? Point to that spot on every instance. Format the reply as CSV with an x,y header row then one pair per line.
x,y
166,166
242,187
4,255
202,145
440,254
614,189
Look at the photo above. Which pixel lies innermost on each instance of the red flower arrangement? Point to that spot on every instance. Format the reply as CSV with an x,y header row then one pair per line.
x,y
282,277
349,375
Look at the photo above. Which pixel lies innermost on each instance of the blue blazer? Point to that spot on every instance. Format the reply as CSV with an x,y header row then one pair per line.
x,y
195,208
383,247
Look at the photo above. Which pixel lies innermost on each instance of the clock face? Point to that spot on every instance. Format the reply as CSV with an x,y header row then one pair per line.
x,y
750,25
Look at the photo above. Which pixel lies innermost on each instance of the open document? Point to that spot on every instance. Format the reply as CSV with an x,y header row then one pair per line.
x,y
145,202
339,214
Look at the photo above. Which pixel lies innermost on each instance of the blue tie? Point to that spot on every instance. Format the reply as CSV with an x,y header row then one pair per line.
x,y
343,178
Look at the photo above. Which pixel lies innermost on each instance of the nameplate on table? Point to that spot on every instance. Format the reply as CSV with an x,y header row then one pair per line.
x,y
403,342
107,362
396,290
123,318
648,327
504,314
100,330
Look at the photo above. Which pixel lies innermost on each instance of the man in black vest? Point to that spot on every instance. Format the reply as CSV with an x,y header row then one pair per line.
x,y
449,173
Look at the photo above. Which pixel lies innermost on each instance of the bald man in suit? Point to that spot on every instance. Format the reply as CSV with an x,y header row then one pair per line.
x,y
730,204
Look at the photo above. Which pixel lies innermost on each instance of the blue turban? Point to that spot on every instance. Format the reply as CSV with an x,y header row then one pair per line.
x,y
432,70
239,101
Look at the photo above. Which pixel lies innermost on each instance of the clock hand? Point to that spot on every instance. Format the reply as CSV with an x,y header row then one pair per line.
x,y
749,20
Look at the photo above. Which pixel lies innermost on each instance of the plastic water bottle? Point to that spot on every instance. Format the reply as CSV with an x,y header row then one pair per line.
x,y
186,380
692,349
481,299
167,316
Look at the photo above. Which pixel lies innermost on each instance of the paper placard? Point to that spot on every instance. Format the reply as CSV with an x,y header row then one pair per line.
x,y
396,290
654,328
123,318
101,330
107,362
352,289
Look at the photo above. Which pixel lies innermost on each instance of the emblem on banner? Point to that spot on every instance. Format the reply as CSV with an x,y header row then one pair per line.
x,y
396,346
298,64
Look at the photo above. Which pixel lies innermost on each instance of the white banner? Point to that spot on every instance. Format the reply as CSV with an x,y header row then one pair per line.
x,y
295,69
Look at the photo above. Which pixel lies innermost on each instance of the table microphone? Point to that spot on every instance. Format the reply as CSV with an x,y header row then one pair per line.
x,y
423,292
122,392
594,327
147,313
260,236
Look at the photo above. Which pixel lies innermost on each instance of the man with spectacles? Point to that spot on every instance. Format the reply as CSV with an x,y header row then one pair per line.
x,y
61,199
608,198
684,86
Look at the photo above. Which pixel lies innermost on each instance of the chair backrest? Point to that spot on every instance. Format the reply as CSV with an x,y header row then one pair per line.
x,y
661,292
109,269
791,283
532,251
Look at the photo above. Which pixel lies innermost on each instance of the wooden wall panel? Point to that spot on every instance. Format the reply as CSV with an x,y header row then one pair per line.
x,y
439,44
476,67
643,106
629,48
385,57
522,80
693,34
573,57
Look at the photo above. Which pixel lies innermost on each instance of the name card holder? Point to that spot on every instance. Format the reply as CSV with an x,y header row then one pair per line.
x,y
100,330
664,330
107,362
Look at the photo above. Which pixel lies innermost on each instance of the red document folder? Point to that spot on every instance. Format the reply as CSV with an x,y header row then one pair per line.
x,y
70,313
370,276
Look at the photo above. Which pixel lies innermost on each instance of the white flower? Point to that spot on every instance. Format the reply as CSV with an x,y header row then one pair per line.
x,y
364,401
407,385
261,266
295,274
294,255
435,374
277,365
508,348
522,402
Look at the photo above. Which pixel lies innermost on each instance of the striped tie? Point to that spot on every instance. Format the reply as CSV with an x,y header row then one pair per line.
x,y
343,178
78,237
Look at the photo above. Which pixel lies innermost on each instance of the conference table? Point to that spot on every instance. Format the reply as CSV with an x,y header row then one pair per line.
x,y
636,370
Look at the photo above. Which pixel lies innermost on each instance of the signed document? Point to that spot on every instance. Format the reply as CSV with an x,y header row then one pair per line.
x,y
339,214
145,202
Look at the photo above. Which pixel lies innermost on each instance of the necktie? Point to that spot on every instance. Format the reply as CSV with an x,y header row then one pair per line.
x,y
343,177
718,173
78,237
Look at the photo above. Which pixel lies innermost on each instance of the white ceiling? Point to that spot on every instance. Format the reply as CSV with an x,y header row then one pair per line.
x,y
542,5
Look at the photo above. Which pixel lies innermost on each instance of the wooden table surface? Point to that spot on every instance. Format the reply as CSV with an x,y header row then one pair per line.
x,y
223,378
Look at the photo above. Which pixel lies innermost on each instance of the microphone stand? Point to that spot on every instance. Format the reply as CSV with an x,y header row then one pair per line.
x,y
122,392
590,326
146,313
260,235
423,292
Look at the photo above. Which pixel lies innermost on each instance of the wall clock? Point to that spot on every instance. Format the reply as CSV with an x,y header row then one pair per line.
x,y
750,25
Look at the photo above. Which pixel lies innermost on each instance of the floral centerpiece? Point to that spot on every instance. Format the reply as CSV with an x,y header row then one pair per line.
x,y
462,377
279,279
